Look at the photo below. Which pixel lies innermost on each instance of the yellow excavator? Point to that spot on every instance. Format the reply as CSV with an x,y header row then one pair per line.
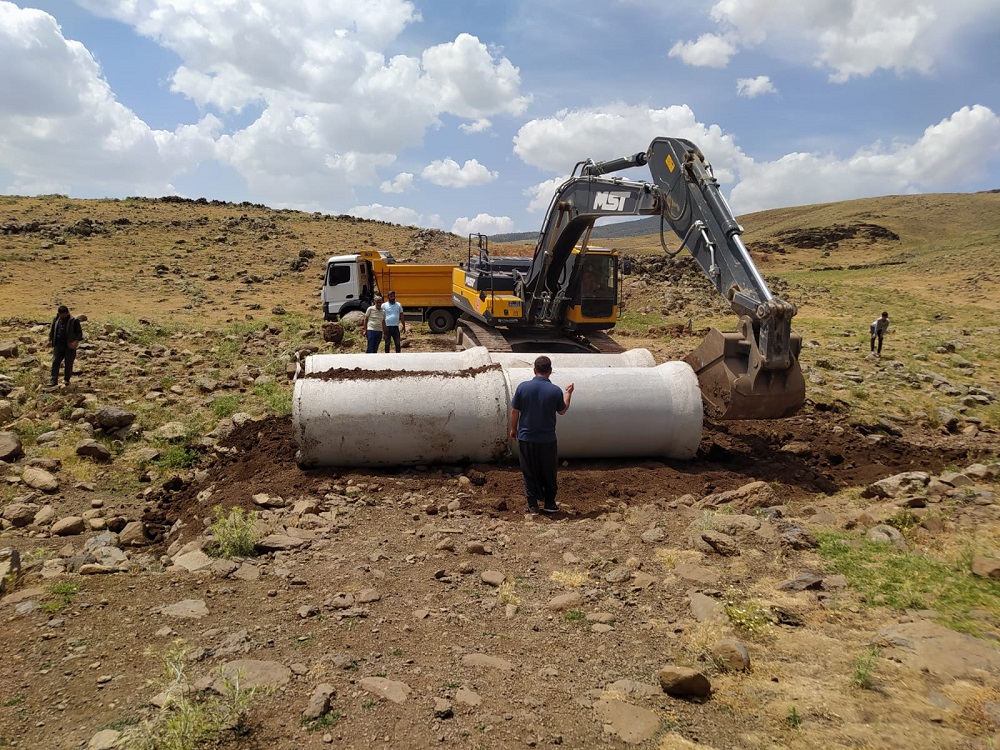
x,y
427,407
566,296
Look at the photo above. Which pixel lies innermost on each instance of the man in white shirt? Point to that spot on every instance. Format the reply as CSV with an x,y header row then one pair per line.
x,y
374,325
394,320
878,329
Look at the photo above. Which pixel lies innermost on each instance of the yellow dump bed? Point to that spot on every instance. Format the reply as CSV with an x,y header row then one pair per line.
x,y
415,285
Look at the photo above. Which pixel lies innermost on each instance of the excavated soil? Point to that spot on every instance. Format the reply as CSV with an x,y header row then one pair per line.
x,y
816,452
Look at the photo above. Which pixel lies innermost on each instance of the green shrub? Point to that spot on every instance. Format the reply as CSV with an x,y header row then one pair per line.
x,y
225,406
187,722
235,534
178,457
863,666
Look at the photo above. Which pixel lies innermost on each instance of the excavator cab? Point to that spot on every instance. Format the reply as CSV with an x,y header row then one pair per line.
x,y
594,302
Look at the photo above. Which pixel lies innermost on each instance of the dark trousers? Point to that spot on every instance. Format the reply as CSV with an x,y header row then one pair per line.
x,y
374,339
391,334
879,337
62,353
539,462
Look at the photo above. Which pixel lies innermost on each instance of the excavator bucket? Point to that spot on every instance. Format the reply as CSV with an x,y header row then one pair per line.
x,y
734,383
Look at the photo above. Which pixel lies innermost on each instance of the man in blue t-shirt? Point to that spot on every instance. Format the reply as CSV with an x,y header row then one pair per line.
x,y
533,413
393,320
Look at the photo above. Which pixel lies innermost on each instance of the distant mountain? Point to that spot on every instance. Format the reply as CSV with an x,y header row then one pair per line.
x,y
618,230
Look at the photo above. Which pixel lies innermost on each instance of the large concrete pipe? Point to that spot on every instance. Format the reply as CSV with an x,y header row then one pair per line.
x,y
630,358
626,411
399,409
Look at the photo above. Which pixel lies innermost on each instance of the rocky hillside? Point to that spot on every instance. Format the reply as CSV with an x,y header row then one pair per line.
x,y
172,578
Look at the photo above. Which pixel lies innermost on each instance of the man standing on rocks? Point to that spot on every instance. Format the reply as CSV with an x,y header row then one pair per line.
x,y
533,413
393,320
878,329
374,325
65,336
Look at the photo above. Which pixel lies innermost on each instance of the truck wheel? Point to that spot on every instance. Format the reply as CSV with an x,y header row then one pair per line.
x,y
440,321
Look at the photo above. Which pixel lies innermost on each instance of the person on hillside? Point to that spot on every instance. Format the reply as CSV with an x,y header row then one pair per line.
x,y
533,412
65,335
374,325
878,328
394,320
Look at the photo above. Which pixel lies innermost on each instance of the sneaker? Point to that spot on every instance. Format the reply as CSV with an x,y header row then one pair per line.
x,y
532,510
547,508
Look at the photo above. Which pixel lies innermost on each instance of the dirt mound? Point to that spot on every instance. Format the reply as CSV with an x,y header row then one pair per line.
x,y
817,452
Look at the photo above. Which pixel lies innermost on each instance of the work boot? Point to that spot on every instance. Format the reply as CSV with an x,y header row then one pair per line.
x,y
550,508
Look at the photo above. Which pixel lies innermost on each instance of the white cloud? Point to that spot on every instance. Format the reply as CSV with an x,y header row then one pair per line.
x,y
448,173
555,144
334,107
710,51
470,83
479,126
750,88
853,38
483,224
540,195
399,184
950,154
392,214
61,128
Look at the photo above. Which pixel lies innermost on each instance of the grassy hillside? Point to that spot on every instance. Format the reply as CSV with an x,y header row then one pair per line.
x,y
927,259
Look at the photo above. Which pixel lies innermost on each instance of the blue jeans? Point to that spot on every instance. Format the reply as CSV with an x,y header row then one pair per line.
x,y
374,339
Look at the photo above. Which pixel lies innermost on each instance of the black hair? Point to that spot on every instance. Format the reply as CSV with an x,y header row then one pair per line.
x,y
63,309
543,365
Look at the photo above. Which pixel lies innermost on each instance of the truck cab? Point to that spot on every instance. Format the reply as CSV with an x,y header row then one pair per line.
x,y
349,285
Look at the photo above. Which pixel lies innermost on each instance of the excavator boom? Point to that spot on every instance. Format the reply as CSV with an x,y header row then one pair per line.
x,y
752,373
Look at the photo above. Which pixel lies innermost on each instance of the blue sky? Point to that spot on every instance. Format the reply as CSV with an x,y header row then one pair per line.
x,y
466,114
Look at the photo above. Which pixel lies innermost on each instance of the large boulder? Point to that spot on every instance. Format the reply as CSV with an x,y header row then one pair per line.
x,y
39,479
113,417
10,447
19,514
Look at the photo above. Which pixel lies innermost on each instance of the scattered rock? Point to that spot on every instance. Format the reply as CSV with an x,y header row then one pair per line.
x,y
319,701
390,690
731,655
93,449
683,682
10,447
633,724
39,479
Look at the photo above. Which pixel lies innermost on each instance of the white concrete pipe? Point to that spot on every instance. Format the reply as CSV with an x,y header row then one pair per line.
x,y
630,358
430,407
397,409
626,411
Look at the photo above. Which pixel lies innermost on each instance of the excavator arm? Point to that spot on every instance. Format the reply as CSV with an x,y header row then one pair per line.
x,y
752,373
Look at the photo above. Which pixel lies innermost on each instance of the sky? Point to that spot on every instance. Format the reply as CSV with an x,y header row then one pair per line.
x,y
466,115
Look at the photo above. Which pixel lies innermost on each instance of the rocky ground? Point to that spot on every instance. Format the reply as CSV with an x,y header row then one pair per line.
x,y
670,605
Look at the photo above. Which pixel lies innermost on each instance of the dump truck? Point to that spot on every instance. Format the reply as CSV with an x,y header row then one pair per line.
x,y
451,407
352,281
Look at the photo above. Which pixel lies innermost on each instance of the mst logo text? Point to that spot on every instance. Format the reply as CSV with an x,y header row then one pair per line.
x,y
608,201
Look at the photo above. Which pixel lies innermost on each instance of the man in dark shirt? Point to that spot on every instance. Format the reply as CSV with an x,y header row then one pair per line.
x,y
533,413
65,335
